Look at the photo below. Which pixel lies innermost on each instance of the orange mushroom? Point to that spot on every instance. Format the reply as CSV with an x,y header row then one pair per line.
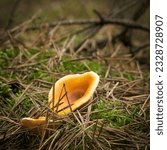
x,y
72,91
30,122
67,94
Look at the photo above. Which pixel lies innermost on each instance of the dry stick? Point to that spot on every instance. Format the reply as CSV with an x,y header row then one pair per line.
x,y
101,18
45,125
139,70
100,130
60,98
98,27
94,131
67,97
130,87
20,98
106,21
42,142
64,108
80,59
112,90
83,126
107,71
58,103
88,113
143,106
41,112
12,40
55,136
3,118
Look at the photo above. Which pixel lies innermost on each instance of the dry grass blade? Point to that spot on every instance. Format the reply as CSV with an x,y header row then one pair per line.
x,y
53,97
69,104
20,98
112,90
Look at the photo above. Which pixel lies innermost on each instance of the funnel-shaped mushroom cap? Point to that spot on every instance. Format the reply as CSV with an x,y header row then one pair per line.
x,y
72,91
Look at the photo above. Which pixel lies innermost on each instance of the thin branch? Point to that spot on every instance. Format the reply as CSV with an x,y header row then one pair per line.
x,y
98,15
60,98
67,97
106,21
126,39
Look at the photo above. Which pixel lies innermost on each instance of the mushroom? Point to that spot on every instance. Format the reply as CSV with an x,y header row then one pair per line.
x,y
72,91
67,94
30,122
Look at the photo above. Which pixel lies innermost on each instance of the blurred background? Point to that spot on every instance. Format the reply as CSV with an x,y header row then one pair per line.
x,y
13,12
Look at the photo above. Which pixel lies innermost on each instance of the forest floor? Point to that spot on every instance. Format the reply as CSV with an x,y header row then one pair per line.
x,y
34,55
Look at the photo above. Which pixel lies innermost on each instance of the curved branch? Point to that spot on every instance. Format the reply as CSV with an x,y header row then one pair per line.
x,y
121,22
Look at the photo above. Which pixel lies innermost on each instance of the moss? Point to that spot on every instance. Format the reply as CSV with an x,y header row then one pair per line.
x,y
4,89
78,39
129,76
26,105
9,102
114,117
46,54
6,55
78,66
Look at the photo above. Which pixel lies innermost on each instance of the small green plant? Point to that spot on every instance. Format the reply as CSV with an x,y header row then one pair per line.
x,y
4,89
78,39
9,102
114,117
26,105
129,76
6,57
38,73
